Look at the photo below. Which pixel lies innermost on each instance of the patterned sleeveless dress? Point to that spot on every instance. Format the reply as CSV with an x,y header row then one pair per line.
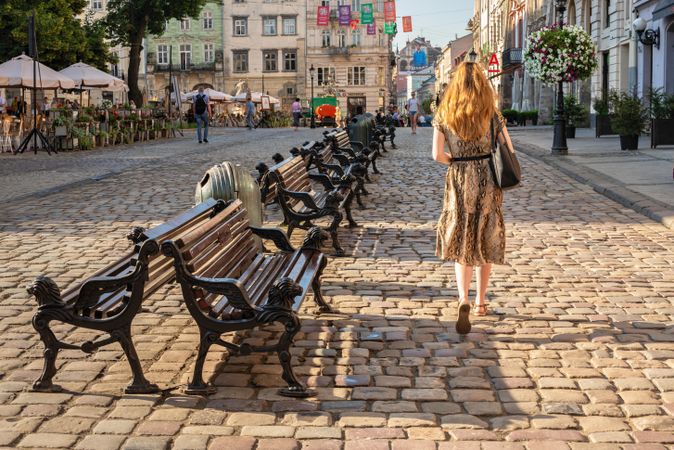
x,y
470,229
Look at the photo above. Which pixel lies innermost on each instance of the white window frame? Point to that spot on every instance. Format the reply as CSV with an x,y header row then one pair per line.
x,y
209,53
162,54
247,61
267,21
286,53
356,37
324,74
356,76
326,38
185,56
185,24
96,5
341,38
269,52
207,20
291,20
240,26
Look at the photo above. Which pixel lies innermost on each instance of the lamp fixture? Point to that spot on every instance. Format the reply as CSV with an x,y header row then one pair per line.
x,y
646,36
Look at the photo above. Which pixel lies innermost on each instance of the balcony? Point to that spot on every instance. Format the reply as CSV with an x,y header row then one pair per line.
x,y
204,67
512,58
334,50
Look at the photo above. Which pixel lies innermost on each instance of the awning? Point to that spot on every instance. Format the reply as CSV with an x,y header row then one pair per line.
x,y
18,73
663,8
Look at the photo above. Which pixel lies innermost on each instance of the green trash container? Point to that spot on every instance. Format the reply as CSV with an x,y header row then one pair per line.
x,y
227,181
361,128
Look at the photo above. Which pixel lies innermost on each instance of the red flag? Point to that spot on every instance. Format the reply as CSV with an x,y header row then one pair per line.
x,y
407,24
354,23
323,16
390,11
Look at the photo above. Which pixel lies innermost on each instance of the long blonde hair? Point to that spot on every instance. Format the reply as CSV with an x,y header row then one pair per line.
x,y
469,103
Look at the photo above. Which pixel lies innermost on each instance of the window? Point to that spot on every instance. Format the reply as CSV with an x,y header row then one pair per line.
x,y
96,5
239,1
290,60
290,25
325,74
381,77
162,54
356,76
270,60
209,53
355,37
290,91
607,13
341,38
268,26
240,26
325,37
185,56
325,2
380,5
114,68
240,60
208,20
185,24
355,5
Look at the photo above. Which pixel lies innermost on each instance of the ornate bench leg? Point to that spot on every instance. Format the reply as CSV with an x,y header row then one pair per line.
x,y
332,229
317,289
347,209
197,386
279,309
140,384
51,350
374,166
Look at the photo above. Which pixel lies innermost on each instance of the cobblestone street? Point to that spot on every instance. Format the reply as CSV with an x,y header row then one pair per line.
x,y
580,353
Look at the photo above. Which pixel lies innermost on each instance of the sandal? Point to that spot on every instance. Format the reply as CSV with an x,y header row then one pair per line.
x,y
481,309
463,322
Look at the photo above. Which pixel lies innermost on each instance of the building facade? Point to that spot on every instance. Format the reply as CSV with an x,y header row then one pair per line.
x,y
191,49
655,63
265,47
348,61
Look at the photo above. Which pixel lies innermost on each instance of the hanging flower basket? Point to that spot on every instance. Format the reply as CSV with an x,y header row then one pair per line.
x,y
556,54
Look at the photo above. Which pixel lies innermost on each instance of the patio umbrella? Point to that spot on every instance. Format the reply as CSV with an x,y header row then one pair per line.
x,y
256,97
88,77
18,73
214,95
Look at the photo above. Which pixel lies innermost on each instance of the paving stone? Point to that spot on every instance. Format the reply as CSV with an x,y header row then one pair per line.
x,y
232,443
189,442
278,444
48,440
98,442
146,443
546,435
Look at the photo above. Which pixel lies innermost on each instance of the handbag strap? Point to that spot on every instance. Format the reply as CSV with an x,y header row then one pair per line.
x,y
492,136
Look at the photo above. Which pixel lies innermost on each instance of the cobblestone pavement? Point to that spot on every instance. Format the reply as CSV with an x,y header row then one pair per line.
x,y
581,354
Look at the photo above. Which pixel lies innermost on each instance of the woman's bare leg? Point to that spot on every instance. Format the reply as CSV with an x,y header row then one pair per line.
x,y
483,273
464,274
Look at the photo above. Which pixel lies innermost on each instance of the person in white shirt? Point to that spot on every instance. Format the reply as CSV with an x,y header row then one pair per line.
x,y
413,109
3,104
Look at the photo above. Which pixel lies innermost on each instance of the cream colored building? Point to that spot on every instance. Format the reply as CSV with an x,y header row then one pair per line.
x,y
352,64
264,47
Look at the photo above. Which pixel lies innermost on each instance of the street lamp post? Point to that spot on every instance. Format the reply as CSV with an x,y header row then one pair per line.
x,y
311,100
559,146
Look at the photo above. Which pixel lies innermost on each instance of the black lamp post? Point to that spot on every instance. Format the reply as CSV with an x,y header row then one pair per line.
x,y
559,146
311,101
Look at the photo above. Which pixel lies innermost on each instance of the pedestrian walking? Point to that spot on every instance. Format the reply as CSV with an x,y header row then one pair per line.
x,y
413,108
297,112
470,230
201,109
250,112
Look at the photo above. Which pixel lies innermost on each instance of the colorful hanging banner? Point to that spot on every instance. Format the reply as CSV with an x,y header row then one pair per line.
x,y
390,12
372,29
366,14
323,16
354,24
407,24
389,27
345,15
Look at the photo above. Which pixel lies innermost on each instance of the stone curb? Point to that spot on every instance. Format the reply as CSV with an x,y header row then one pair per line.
x,y
607,186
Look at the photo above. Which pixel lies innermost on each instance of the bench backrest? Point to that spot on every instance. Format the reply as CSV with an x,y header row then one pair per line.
x,y
220,248
292,175
146,249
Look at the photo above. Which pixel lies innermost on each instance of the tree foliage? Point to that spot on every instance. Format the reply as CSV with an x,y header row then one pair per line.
x,y
62,38
129,21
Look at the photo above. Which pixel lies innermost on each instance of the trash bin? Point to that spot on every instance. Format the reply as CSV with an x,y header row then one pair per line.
x,y
361,128
227,181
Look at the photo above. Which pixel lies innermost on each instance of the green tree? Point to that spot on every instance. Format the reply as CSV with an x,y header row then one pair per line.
x,y
61,37
128,22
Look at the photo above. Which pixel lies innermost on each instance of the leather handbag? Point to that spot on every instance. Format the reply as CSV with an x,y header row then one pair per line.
x,y
504,164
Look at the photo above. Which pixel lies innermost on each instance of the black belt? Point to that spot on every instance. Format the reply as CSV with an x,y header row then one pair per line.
x,y
470,158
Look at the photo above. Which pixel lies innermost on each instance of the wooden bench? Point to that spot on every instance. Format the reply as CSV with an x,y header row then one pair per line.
x,y
339,143
385,133
109,300
230,284
291,184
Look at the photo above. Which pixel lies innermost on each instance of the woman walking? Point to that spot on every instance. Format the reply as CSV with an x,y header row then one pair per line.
x,y
470,230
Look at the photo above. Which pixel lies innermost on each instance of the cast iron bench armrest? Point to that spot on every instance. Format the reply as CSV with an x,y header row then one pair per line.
x,y
357,146
276,235
342,159
93,288
304,197
337,168
325,180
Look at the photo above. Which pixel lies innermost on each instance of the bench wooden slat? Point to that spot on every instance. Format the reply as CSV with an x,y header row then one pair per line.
x,y
197,233
257,287
236,235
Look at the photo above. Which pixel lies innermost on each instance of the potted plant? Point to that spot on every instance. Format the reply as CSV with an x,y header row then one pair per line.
x,y
533,116
662,117
574,113
86,142
602,125
102,138
60,126
629,119
511,116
